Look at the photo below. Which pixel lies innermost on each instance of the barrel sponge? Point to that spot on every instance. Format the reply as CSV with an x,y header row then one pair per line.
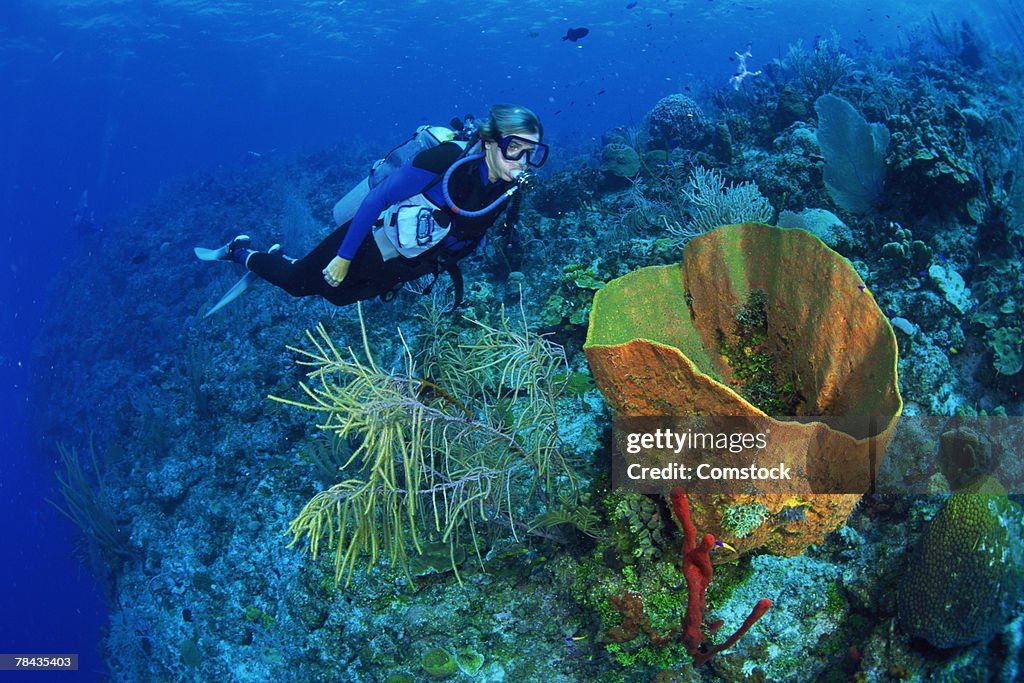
x,y
964,579
654,345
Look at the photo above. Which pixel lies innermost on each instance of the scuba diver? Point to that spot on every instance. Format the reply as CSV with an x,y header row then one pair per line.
x,y
420,219
84,220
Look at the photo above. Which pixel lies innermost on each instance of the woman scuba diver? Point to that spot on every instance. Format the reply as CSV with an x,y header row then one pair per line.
x,y
421,219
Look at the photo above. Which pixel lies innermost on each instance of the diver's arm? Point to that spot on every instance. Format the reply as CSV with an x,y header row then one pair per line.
x,y
405,182
402,184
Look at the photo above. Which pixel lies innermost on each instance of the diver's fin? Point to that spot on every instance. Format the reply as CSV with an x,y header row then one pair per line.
x,y
204,254
236,291
221,253
239,287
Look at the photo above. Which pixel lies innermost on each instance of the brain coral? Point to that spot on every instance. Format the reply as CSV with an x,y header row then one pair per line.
x,y
677,121
963,581
619,159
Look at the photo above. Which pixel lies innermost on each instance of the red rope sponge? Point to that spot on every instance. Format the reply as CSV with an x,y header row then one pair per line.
x,y
697,571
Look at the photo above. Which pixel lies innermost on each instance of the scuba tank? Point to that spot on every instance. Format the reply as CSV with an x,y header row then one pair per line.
x,y
425,137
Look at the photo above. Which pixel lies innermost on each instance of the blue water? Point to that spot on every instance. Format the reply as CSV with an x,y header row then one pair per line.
x,y
116,99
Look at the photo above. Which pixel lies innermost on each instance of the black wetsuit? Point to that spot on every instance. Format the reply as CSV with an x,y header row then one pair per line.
x,y
369,274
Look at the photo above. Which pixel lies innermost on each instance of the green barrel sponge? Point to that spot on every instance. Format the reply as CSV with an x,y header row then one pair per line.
x,y
439,663
963,581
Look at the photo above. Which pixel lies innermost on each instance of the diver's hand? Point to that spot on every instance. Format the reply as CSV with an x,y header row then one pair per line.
x,y
336,271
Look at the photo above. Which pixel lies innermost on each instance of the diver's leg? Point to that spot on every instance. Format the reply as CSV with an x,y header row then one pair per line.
x,y
376,277
302,277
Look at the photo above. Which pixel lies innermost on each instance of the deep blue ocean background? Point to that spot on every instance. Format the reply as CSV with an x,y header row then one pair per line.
x,y
108,102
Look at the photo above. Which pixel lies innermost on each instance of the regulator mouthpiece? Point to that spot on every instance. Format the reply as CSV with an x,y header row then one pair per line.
x,y
524,179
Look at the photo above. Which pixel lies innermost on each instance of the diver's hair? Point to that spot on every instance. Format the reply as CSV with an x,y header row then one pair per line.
x,y
509,119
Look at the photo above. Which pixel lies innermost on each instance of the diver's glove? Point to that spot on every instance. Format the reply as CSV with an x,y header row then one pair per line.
x,y
336,271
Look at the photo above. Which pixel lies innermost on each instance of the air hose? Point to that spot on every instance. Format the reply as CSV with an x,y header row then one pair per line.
x,y
521,180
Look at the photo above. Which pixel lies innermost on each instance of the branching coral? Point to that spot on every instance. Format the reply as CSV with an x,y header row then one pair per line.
x,y
88,508
715,203
698,571
435,458
822,69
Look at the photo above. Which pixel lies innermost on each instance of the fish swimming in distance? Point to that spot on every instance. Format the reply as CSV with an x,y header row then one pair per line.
x,y
575,34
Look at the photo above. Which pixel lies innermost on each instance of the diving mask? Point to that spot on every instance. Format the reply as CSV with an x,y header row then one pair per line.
x,y
515,147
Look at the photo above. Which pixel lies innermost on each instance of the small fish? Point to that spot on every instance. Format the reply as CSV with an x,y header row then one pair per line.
x,y
533,34
720,544
575,34
632,5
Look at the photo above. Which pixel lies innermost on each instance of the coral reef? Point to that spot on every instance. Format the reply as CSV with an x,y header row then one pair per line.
x,y
187,477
